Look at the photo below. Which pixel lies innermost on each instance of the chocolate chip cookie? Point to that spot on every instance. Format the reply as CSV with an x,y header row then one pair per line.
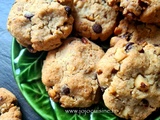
x,y
94,19
8,108
69,73
135,31
147,11
40,25
129,75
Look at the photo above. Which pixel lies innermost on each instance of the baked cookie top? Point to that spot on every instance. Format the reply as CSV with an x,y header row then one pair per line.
x,y
129,75
147,11
40,25
8,107
94,19
69,73
135,31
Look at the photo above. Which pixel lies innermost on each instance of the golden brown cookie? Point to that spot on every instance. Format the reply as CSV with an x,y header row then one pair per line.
x,y
129,75
94,19
40,25
8,108
69,73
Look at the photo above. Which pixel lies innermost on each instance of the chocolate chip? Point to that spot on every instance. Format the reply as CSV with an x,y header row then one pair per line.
x,y
28,15
97,28
156,45
114,71
129,46
84,40
145,102
127,36
141,51
68,10
30,49
65,90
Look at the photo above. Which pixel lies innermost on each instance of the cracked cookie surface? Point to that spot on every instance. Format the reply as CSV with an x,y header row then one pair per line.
x,y
40,25
8,108
94,19
129,75
69,73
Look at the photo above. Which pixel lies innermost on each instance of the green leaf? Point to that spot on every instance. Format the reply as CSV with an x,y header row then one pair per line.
x,y
27,72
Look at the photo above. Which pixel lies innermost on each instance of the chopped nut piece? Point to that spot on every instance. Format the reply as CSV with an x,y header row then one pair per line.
x,y
141,83
126,111
120,54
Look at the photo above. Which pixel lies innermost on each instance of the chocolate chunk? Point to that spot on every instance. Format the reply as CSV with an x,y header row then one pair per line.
x,y
97,28
28,15
68,10
129,46
65,90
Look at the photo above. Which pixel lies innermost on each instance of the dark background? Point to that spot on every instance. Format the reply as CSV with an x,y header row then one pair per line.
x,y
6,74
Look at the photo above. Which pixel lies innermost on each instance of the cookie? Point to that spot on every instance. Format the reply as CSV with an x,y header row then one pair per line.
x,y
94,19
40,25
135,31
8,108
147,11
69,73
129,75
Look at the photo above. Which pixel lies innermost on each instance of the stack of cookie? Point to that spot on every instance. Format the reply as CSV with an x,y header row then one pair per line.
x,y
76,68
